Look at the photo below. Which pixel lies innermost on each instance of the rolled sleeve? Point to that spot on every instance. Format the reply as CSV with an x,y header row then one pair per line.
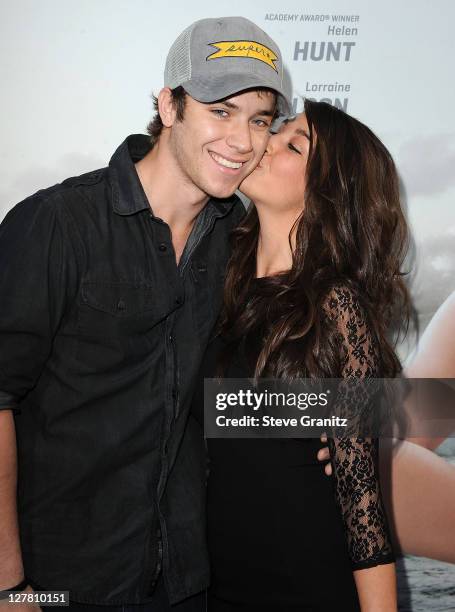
x,y
33,289
9,402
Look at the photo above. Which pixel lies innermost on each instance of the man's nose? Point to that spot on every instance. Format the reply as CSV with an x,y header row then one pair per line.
x,y
240,138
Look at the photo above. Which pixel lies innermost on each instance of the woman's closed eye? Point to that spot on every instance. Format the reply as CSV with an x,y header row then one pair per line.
x,y
293,148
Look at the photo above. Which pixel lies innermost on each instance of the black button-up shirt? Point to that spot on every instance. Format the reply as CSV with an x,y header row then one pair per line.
x,y
101,336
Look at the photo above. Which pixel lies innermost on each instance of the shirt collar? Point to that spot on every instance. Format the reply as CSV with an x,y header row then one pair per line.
x,y
128,197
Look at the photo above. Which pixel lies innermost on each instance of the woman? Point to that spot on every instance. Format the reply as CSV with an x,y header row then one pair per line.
x,y
310,291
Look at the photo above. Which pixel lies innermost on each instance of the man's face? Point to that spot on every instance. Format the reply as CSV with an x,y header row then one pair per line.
x,y
217,145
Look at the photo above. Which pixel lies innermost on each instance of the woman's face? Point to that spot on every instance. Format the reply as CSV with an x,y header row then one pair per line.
x,y
279,180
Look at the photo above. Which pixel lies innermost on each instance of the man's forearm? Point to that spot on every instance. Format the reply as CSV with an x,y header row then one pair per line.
x,y
11,568
377,588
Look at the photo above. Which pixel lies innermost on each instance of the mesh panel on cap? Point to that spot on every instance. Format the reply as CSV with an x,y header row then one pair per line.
x,y
178,62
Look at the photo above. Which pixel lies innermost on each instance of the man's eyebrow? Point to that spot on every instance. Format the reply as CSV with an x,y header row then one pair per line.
x,y
266,113
231,105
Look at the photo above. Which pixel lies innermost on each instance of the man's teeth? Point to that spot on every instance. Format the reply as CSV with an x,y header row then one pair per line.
x,y
226,162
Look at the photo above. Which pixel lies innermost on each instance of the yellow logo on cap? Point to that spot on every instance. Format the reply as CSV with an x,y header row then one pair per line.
x,y
244,48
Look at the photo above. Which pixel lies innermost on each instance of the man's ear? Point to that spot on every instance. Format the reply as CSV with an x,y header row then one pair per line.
x,y
166,107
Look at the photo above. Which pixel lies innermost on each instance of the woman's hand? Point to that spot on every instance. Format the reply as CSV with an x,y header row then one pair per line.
x,y
324,455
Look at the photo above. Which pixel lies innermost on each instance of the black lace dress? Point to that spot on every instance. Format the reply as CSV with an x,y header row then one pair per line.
x,y
282,535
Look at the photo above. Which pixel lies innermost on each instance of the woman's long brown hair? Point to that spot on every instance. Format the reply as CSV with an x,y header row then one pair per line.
x,y
351,233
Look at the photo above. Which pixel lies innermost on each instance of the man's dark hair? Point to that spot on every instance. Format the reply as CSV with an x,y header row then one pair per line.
x,y
155,127
179,95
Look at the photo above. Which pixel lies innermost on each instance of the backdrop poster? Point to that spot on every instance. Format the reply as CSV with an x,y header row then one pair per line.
x,y
77,77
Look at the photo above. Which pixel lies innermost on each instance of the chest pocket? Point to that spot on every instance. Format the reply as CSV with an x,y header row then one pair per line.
x,y
116,308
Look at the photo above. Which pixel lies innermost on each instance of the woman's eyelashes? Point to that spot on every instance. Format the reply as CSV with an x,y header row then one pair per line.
x,y
293,148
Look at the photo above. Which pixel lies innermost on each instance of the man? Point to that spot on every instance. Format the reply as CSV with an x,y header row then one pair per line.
x,y
110,284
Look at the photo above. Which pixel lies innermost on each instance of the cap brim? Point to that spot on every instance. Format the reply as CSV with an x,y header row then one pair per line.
x,y
212,90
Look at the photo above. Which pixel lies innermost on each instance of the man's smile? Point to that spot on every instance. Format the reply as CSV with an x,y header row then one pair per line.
x,y
226,163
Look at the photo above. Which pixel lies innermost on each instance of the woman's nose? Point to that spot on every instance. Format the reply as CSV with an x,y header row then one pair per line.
x,y
272,144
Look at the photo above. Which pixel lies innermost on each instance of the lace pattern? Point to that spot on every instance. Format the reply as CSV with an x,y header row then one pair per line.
x,y
355,460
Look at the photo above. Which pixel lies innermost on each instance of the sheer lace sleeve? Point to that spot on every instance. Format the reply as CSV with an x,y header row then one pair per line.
x,y
355,460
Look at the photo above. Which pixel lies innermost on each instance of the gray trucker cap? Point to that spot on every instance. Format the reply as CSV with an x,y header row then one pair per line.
x,y
216,58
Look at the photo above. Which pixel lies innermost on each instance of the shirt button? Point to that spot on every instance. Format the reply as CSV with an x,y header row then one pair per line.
x,y
121,305
163,247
